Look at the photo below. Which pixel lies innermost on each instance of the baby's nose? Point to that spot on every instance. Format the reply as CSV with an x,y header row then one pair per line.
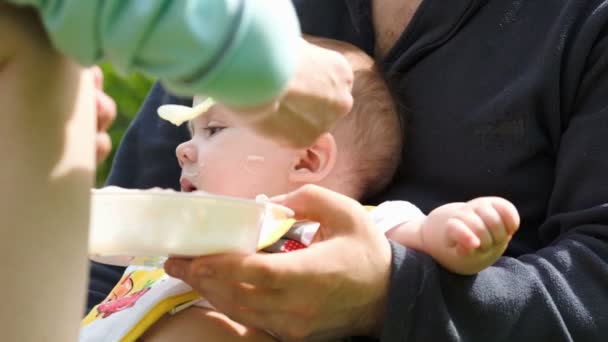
x,y
186,153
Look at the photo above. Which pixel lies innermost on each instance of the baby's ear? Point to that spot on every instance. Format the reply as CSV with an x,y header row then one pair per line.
x,y
315,162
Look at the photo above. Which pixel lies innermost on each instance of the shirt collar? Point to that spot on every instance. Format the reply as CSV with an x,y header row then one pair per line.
x,y
433,22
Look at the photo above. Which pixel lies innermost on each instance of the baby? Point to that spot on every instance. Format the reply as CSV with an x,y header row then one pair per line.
x,y
357,158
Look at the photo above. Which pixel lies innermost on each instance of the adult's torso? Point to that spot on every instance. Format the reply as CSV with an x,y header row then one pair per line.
x,y
483,81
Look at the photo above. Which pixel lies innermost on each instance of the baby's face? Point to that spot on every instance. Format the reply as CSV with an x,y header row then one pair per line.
x,y
226,158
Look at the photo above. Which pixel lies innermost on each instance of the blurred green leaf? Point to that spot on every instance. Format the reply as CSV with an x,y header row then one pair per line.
x,y
129,92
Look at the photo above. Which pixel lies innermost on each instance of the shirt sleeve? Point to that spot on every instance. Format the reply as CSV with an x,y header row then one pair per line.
x,y
560,291
241,52
390,214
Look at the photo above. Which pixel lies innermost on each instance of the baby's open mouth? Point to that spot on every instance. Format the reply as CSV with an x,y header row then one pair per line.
x,y
186,185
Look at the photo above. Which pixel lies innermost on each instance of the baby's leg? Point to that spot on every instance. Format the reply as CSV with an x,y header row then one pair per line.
x,y
468,237
199,324
47,153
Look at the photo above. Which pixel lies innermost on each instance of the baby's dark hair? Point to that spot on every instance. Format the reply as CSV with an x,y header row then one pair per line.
x,y
372,133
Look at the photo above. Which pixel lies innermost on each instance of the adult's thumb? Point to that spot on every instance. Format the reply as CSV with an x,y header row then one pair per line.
x,y
336,213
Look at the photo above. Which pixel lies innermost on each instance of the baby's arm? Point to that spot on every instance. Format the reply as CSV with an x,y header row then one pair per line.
x,y
464,238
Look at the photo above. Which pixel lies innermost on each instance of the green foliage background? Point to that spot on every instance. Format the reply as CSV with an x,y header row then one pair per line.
x,y
129,92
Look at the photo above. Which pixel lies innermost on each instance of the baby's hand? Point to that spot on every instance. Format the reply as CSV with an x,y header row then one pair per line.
x,y
484,223
477,232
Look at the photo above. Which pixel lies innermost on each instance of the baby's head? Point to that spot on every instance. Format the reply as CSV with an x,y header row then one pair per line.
x,y
358,157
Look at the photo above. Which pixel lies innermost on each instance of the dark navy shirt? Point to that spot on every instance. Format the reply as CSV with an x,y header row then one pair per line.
x,y
504,97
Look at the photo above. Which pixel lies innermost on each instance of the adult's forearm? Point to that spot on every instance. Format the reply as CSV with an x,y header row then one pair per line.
x,y
242,52
557,294
47,152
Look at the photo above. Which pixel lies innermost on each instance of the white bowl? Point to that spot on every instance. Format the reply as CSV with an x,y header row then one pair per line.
x,y
156,222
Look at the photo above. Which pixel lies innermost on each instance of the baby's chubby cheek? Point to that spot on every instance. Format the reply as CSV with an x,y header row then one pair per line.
x,y
225,179
253,164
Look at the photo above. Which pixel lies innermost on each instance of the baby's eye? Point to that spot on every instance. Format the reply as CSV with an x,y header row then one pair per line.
x,y
212,130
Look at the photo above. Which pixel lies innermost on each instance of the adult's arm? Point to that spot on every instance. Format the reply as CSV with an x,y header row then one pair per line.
x,y
47,150
557,293
215,47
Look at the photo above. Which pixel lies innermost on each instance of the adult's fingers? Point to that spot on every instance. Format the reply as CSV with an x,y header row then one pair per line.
x,y
106,111
97,76
103,146
335,212
260,270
